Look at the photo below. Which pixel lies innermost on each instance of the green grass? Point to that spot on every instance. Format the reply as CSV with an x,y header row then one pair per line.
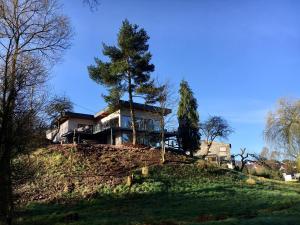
x,y
174,195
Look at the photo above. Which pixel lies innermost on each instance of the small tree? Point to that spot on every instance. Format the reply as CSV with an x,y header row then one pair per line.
x,y
188,119
166,101
128,70
55,108
244,157
214,127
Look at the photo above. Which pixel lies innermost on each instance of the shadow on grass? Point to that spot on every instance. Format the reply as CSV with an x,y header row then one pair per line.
x,y
209,206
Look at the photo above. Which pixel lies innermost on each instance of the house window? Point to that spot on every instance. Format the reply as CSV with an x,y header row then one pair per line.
x,y
154,141
126,138
152,125
85,127
126,122
81,125
223,158
223,149
141,139
149,125
140,125
156,125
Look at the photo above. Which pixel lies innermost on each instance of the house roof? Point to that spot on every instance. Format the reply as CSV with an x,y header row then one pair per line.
x,y
105,112
138,106
68,114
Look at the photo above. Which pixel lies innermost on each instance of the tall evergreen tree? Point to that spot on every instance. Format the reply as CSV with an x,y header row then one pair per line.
x,y
188,119
128,71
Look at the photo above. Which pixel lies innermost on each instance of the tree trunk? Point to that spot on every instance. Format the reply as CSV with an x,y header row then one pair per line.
x,y
207,149
56,133
6,202
7,138
132,112
163,146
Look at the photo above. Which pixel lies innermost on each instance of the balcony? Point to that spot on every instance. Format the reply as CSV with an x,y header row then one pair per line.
x,y
99,127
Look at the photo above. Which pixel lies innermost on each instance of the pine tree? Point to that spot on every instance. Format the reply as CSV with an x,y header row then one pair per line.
x,y
128,71
188,119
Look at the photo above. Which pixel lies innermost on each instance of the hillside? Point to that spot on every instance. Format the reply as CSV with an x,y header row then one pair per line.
x,y
61,169
93,190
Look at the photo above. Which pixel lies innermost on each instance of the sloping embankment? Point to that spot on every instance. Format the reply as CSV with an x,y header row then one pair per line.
x,y
49,174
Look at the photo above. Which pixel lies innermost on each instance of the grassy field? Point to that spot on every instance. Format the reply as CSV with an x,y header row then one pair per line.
x,y
173,195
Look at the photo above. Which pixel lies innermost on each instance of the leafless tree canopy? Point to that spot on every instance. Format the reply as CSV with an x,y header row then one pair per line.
x,y
283,127
215,127
33,27
166,99
33,35
93,4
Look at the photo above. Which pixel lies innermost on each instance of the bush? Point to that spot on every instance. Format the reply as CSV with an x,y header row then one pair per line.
x,y
205,165
266,173
250,181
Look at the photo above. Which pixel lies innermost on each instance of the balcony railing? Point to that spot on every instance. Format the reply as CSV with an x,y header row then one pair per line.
x,y
101,127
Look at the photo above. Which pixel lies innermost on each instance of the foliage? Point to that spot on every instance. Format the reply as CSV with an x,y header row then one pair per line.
x,y
214,127
188,119
283,127
128,70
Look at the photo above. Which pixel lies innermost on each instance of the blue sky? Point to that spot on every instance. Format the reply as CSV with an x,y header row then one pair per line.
x,y
239,57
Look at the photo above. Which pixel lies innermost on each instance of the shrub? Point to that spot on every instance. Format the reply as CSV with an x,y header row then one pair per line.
x,y
266,173
250,181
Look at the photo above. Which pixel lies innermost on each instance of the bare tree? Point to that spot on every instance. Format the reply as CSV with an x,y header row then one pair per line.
x,y
54,109
93,4
167,101
244,157
33,34
214,127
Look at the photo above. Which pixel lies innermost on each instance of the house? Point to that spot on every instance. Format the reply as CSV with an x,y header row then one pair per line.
x,y
110,127
218,152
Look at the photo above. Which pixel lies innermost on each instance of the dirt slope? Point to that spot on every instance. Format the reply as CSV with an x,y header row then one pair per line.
x,y
58,171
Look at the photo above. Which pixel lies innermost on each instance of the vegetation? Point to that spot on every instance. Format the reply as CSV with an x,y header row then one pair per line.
x,y
283,128
214,127
128,70
174,194
55,108
188,119
33,36
166,101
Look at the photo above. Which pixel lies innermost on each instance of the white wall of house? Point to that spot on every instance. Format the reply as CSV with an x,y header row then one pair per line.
x,y
218,148
68,125
74,122
141,114
62,129
113,115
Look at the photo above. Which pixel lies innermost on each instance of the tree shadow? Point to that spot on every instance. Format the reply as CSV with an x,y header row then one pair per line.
x,y
209,205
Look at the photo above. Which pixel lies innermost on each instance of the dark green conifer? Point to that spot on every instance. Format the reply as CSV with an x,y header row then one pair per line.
x,y
188,119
